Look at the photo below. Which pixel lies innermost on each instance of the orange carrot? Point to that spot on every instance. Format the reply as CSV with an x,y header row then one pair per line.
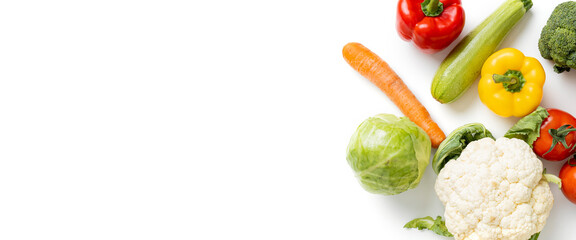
x,y
372,67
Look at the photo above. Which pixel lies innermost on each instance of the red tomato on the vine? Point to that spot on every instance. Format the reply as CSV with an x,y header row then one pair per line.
x,y
557,139
568,177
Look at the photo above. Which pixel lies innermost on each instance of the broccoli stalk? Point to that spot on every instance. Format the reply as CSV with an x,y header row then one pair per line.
x,y
558,38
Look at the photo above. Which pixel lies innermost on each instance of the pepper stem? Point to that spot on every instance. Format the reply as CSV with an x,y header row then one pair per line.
x,y
432,8
512,80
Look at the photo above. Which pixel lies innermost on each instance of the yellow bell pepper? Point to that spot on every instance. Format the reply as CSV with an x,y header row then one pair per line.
x,y
511,83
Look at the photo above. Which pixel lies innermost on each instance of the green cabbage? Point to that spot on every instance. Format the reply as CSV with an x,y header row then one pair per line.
x,y
389,154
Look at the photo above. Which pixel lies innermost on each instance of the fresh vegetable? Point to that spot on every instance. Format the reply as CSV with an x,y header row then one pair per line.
x,y
558,38
551,178
527,128
568,177
494,190
432,24
388,154
462,65
511,83
452,147
435,225
372,67
552,133
557,139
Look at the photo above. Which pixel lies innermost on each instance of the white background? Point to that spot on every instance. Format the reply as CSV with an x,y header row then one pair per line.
x,y
217,119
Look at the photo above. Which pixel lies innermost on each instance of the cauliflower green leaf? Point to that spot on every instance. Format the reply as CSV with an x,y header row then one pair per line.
x,y
527,128
456,141
435,225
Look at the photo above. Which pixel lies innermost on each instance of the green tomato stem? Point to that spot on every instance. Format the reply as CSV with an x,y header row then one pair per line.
x,y
572,161
559,136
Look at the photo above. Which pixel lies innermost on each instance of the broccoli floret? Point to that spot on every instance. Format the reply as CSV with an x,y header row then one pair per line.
x,y
558,38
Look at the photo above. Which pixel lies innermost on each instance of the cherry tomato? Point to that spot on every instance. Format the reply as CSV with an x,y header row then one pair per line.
x,y
568,177
557,139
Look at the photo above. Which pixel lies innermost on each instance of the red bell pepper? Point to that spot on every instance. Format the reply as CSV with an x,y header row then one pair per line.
x,y
432,25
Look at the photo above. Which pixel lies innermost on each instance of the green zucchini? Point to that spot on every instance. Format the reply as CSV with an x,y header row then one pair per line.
x,y
463,64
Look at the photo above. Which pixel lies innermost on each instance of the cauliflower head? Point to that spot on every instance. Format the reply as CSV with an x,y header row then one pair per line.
x,y
494,190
